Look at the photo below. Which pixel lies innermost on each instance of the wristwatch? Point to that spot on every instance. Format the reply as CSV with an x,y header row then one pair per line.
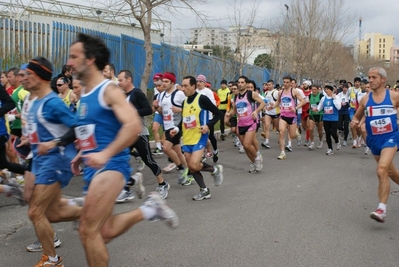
x,y
57,141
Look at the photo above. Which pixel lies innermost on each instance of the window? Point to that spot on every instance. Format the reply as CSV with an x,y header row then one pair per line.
x,y
383,46
379,51
384,40
383,51
380,45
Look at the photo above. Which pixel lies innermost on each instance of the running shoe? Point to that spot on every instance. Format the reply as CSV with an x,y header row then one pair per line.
x,y
163,212
37,246
366,150
216,157
163,190
203,194
354,144
218,175
339,145
311,146
157,152
306,143
282,155
125,195
329,152
344,143
258,164
46,262
138,184
378,215
140,164
189,180
320,145
182,176
169,168
252,168
16,191
288,148
266,144
299,138
241,150
223,137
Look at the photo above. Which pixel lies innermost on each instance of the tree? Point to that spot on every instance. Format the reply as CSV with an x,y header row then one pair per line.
x,y
310,38
144,11
264,61
222,52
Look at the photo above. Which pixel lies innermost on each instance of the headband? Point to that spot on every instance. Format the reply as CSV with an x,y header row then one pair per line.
x,y
40,70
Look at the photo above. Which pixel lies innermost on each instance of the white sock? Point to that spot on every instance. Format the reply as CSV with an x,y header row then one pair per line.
x,y
159,145
19,177
382,206
257,158
289,143
215,151
148,211
267,140
53,259
258,153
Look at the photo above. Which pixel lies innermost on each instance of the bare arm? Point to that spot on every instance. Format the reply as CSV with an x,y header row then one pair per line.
x,y
300,98
126,115
359,112
258,99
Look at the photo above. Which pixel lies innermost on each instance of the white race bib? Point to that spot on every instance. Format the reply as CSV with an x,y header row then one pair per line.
x,y
86,137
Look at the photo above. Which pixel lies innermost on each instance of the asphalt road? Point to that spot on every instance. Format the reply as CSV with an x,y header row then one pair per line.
x,y
308,210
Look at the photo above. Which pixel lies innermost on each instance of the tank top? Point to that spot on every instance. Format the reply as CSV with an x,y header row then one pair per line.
x,y
97,123
244,110
193,118
380,118
331,113
270,100
287,103
314,101
305,107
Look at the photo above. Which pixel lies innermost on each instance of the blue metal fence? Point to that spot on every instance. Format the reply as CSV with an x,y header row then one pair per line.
x,y
23,40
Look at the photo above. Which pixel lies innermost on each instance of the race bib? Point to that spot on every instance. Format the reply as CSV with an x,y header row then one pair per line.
x,y
381,126
190,122
313,106
286,106
31,129
328,110
242,112
167,115
86,137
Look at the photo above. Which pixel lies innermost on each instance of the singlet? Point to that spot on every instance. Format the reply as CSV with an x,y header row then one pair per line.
x,y
223,96
244,110
330,111
314,101
68,102
97,123
380,118
144,130
353,97
3,124
24,113
170,119
193,118
287,104
270,99
305,107
18,96
48,118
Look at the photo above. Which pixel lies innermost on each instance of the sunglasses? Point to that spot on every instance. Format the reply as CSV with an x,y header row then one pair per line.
x,y
60,84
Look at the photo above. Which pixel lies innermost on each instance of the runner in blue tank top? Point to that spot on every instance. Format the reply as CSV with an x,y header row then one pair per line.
x,y
380,108
107,125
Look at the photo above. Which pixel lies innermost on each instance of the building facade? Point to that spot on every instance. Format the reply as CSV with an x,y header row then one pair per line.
x,y
376,46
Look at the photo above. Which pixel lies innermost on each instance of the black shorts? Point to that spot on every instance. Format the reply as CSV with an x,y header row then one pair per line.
x,y
289,120
16,132
316,118
233,122
243,129
175,140
273,116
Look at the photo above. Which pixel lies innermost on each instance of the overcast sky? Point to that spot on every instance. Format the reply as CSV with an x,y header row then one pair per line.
x,y
378,16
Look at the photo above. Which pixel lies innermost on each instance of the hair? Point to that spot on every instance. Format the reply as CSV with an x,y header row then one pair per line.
x,y
231,82
234,84
64,79
4,72
15,70
191,79
44,62
287,78
94,47
380,70
357,79
327,86
66,68
111,67
128,74
253,83
293,80
271,81
244,77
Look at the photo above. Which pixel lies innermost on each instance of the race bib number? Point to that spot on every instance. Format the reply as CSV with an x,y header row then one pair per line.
x,y
381,126
242,112
167,115
313,106
190,122
328,110
86,137
31,129
286,106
